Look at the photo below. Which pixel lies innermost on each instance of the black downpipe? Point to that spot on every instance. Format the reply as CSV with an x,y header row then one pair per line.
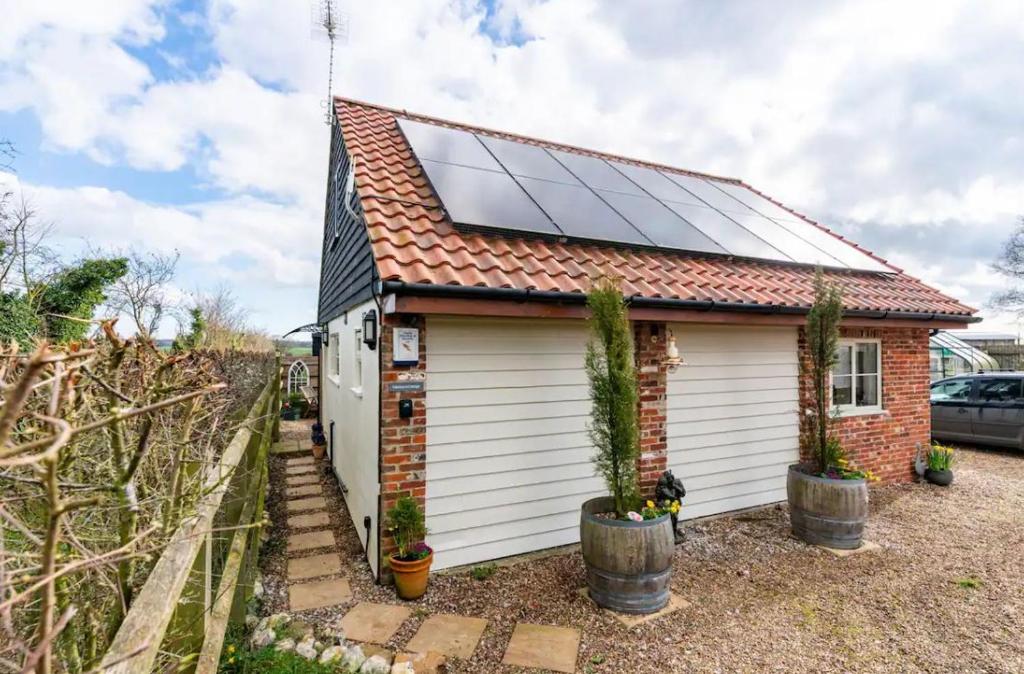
x,y
516,294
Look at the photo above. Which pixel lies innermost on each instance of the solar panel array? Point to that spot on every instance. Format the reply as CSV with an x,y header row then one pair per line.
x,y
490,182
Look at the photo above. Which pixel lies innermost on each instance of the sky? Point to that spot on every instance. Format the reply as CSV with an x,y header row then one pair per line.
x,y
199,126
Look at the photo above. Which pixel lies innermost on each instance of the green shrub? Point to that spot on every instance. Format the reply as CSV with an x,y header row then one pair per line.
x,y
823,345
406,523
236,660
611,370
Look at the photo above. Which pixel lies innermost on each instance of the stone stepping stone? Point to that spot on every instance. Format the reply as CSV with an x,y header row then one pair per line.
x,y
312,567
304,490
302,479
430,662
543,647
300,470
452,635
309,520
300,504
318,594
300,460
311,540
373,623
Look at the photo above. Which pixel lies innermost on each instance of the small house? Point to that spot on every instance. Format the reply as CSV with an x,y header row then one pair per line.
x,y
455,265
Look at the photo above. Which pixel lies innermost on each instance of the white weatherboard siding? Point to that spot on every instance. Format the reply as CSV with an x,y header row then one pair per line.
x,y
733,416
355,413
508,458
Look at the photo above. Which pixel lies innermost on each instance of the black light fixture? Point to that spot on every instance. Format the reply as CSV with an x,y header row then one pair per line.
x,y
324,336
370,329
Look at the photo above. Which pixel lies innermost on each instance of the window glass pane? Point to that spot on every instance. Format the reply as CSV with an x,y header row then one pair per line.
x,y
867,357
842,390
867,390
842,365
999,390
953,390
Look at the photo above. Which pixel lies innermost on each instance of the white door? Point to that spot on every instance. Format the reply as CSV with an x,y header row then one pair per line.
x,y
508,458
733,416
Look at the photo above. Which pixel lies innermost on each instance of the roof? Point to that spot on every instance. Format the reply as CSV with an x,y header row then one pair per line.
x,y
414,242
977,336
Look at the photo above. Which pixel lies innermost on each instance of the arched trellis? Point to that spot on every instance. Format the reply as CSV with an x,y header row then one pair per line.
x,y
298,376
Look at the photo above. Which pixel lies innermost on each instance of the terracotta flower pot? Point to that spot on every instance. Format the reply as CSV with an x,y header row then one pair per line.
x,y
319,451
411,577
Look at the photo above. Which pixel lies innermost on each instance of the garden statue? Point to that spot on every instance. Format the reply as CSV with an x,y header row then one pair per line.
x,y
670,488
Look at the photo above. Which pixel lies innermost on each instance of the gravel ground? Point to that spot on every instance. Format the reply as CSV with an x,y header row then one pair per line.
x,y
945,592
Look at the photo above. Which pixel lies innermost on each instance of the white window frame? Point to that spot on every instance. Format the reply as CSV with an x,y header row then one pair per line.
x,y
293,371
854,409
357,362
334,358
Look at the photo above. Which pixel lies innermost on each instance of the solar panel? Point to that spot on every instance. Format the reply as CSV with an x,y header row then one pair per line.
x,y
485,198
491,182
521,159
596,173
655,184
659,224
727,233
784,240
840,250
451,146
579,212
708,193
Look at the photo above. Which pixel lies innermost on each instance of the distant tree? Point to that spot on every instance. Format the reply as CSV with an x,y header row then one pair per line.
x,y
142,292
1010,263
222,323
67,303
186,341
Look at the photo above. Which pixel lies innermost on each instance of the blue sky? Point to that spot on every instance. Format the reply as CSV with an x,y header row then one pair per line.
x,y
197,126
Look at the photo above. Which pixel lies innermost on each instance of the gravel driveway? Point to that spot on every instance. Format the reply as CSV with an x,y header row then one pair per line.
x,y
945,592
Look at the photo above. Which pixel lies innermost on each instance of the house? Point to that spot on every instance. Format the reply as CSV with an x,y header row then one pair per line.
x,y
455,262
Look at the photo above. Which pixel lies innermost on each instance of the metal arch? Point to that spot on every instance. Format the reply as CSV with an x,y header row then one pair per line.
x,y
308,327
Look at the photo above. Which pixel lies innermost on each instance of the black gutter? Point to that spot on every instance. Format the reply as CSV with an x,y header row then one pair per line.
x,y
519,295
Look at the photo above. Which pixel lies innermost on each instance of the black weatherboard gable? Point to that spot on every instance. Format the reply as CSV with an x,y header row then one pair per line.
x,y
347,266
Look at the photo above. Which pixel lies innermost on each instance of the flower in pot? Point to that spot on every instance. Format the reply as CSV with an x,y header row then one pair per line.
x,y
627,548
319,445
828,496
410,564
940,465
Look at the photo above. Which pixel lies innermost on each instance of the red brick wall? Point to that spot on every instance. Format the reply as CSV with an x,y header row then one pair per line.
x,y
403,442
649,344
886,443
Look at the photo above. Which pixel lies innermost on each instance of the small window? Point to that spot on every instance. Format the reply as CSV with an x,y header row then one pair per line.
x,y
857,376
959,389
999,390
357,363
339,196
334,355
298,377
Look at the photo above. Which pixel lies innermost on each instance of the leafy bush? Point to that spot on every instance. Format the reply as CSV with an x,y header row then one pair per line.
x,y
406,523
940,457
483,571
823,345
236,660
611,370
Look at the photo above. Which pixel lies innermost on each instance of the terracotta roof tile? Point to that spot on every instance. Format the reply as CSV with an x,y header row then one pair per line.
x,y
414,242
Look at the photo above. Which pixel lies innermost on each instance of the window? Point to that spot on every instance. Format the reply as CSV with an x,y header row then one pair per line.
x,y
357,362
343,192
334,356
298,376
959,389
999,390
857,377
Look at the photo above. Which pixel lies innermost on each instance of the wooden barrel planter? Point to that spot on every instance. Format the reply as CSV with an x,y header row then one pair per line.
x,y
629,564
827,512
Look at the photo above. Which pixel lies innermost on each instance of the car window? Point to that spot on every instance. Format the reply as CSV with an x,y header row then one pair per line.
x,y
999,390
958,389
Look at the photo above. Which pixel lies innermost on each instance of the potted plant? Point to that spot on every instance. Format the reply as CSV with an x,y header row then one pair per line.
x,y
319,442
828,497
288,412
940,464
410,564
298,403
627,548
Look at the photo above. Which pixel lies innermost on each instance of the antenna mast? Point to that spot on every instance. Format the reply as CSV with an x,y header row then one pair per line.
x,y
331,24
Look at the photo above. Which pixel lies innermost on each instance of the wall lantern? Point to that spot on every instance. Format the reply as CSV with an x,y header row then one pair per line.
x,y
370,329
672,359
324,334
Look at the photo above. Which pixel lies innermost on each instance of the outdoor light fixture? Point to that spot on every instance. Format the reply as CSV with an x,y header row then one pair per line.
x,y
672,359
370,329
324,335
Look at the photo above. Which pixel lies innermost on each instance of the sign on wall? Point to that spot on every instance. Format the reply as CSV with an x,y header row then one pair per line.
x,y
406,347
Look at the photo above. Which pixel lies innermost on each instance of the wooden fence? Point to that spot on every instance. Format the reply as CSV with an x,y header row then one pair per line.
x,y
204,578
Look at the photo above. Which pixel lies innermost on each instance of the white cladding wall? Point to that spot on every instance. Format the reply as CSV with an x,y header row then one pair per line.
x,y
355,413
733,416
508,458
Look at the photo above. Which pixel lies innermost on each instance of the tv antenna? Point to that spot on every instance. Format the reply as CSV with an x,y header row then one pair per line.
x,y
331,24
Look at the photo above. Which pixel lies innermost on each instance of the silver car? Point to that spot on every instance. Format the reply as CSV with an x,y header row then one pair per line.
x,y
987,409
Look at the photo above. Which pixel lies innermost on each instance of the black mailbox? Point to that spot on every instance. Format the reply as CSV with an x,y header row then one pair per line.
x,y
405,408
